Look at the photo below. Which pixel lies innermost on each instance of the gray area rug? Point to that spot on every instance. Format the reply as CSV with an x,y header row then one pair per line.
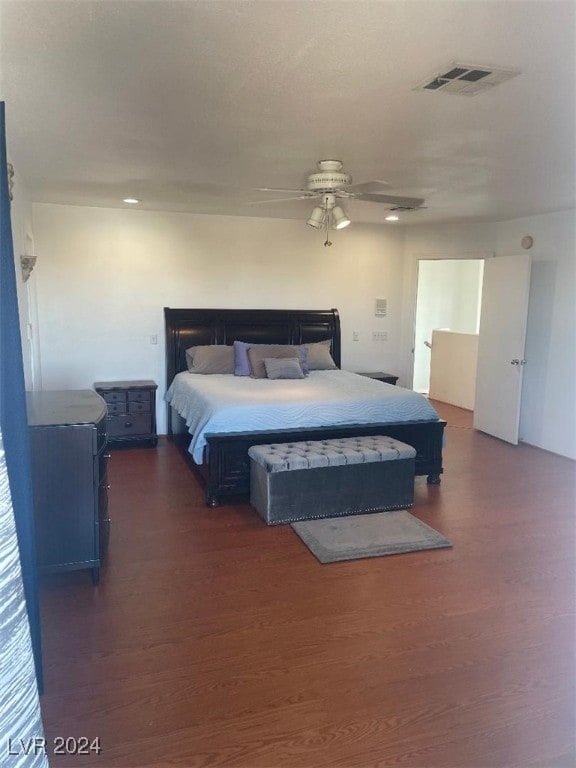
x,y
358,536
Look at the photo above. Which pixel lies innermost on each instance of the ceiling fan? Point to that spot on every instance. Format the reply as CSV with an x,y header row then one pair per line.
x,y
330,183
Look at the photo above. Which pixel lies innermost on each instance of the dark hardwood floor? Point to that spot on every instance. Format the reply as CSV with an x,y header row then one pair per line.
x,y
214,640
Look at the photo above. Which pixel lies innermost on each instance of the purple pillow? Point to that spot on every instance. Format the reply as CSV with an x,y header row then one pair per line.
x,y
242,364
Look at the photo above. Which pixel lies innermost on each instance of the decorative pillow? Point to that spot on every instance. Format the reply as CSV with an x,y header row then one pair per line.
x,y
287,368
319,357
257,354
242,364
213,358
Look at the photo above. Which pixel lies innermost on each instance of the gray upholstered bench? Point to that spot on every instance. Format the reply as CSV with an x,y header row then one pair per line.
x,y
326,478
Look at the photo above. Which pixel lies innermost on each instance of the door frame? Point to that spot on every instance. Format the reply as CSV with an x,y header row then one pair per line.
x,y
412,295
419,354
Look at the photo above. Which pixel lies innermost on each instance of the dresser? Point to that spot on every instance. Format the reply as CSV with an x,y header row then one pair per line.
x,y
67,432
131,411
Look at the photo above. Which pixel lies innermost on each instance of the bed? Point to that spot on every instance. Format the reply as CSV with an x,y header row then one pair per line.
x,y
220,452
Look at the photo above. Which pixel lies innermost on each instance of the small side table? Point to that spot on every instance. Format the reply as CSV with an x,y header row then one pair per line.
x,y
387,378
131,411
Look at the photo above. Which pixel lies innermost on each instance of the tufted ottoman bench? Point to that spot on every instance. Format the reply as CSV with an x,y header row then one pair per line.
x,y
326,478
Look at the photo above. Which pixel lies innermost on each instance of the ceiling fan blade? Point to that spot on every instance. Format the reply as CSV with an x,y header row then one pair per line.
x,y
302,192
277,200
392,200
372,187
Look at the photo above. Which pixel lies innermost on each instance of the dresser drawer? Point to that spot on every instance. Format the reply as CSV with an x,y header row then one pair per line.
x,y
129,425
102,467
139,396
114,408
103,519
113,397
139,406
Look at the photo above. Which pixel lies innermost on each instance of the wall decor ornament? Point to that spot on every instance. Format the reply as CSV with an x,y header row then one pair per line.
x,y
10,179
27,264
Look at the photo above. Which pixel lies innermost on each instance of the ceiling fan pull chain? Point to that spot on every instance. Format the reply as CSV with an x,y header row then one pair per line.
x,y
327,219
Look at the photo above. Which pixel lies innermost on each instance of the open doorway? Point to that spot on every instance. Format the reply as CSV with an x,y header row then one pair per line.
x,y
448,303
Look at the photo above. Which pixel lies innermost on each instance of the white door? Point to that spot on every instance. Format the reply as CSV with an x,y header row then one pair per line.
x,y
501,346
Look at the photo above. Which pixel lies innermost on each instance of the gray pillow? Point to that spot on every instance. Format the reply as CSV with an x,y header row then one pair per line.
x,y
319,357
257,354
288,368
212,358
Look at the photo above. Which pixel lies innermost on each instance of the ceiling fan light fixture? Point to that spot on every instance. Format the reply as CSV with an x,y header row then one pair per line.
x,y
317,217
339,218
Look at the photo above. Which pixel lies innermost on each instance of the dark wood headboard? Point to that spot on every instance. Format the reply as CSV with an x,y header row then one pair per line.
x,y
194,327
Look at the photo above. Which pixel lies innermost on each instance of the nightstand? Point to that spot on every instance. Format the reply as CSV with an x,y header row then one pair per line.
x,y
131,411
387,378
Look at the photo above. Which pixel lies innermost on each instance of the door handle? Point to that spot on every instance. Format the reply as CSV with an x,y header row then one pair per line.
x,y
517,362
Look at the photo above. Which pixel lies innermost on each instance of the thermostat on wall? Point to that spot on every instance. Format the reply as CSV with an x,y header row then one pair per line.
x,y
381,309
527,242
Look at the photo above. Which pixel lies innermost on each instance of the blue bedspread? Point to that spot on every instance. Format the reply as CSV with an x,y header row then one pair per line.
x,y
227,403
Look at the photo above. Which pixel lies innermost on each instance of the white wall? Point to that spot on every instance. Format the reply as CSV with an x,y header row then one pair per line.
x,y
548,413
104,276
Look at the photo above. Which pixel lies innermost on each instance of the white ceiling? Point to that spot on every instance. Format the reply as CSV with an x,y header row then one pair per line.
x,y
190,105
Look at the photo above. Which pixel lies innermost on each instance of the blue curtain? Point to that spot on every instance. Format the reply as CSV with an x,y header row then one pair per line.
x,y
13,420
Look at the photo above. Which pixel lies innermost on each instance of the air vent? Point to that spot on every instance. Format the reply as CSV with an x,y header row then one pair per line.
x,y
466,79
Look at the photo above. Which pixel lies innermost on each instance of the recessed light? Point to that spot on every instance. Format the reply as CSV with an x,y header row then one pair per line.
x,y
131,200
392,218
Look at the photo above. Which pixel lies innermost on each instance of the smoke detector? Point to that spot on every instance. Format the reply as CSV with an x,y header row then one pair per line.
x,y
466,79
